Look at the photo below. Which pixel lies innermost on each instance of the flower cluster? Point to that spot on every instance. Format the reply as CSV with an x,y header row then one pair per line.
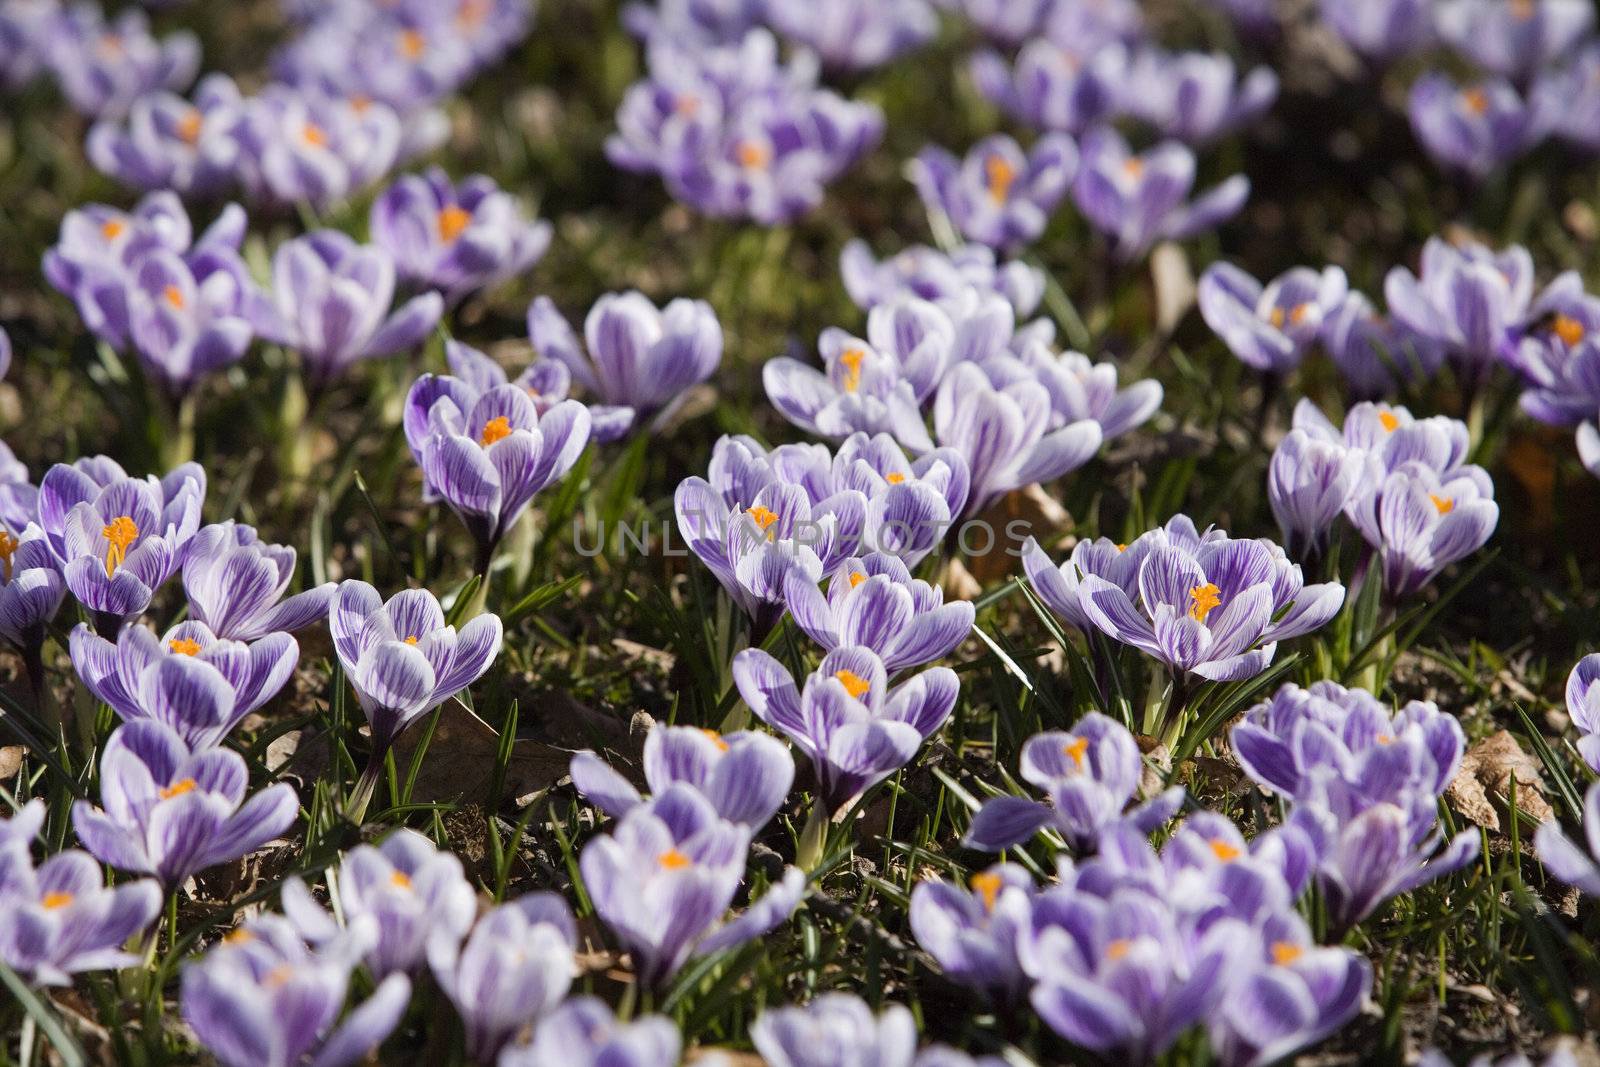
x,y
102,66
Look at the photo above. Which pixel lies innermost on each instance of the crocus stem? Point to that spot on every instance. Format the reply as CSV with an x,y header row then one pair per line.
x,y
814,838
177,440
355,808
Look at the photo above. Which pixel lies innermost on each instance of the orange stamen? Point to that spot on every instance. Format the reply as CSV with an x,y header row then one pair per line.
x,y
55,900
1206,599
1388,420
852,366
1570,330
1000,176
452,221
1224,851
177,789
1284,953
673,860
753,155
1443,504
183,646
988,885
189,126
496,429
120,532
853,683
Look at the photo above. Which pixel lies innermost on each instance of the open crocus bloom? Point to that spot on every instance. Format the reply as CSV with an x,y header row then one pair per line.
x,y
168,142
236,583
1269,328
1465,298
873,602
998,195
1478,128
1197,96
911,504
972,932
858,390
31,587
1421,521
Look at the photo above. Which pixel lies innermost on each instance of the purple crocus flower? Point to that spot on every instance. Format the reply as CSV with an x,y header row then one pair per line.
x,y
911,504
1375,354
1060,587
1421,521
998,195
638,361
873,602
930,274
1380,30
1476,129
1575,864
835,1028
1391,435
1002,430
1137,200
24,29
1310,481
854,728
455,237
1514,39
302,146
118,538
261,998
60,918
1196,97
103,67
1006,22
1087,25
1558,354
1054,88
1269,328
515,967
332,300
1216,609
236,582
402,658
168,142
972,933
1384,852
583,1032
849,35
1583,707
406,894
665,876
1090,774
1569,97
1466,298
1078,389
171,811
31,588
858,390
745,775
190,680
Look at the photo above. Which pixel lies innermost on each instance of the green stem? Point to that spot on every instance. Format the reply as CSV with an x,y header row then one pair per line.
x,y
355,808
813,839
177,445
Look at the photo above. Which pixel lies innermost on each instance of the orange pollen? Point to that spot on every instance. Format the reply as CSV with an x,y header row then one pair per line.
x,y
241,936
411,640
988,886
314,135
496,429
111,229
673,860
400,880
1283,953
1298,313
716,739
894,477
1000,176
183,646
1133,168
1443,504
1570,330
1522,10
121,533
174,296
1224,851
687,104
1475,101
1121,547
8,548
110,45
1384,739
763,518
411,44
1076,748
1206,598
278,976
189,126
360,103
1118,948
452,221
1388,420
853,683
852,365
177,789
472,14
58,899
753,155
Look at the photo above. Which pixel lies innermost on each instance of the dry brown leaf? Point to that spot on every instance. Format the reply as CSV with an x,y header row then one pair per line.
x,y
460,760
11,760
1485,779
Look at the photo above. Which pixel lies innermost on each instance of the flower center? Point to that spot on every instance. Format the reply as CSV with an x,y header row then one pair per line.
x,y
673,860
764,518
1442,504
8,548
1295,315
1121,547
496,429
400,880
111,229
856,579
359,103
753,155
241,936
852,368
1388,420
1223,850
1284,953
853,683
189,126
452,221
1570,330
120,532
1522,10
174,296
1205,599
279,976
1076,749
57,899
988,886
1133,168
716,739
687,104
314,135
999,176
177,789
411,640
412,44
1384,739
184,646
1118,948
472,14
894,477
1476,101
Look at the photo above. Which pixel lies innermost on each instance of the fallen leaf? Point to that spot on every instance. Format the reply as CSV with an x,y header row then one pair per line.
x,y
11,760
460,761
1485,779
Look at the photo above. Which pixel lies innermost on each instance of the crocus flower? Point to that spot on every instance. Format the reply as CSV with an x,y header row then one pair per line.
x,y
455,237
854,728
835,1028
1420,522
1053,88
853,36
1196,97
972,933
187,318
103,67
406,891
1078,388
1583,707
930,274
332,299
663,880
1514,39
60,918
1569,98
1391,435
873,602
1575,864
24,32
640,360
31,589
583,1032
1558,354
261,998
1269,328
745,775
1380,30
1216,609
1465,299
1084,26
1002,431
171,811
1476,129
858,390
118,538
1376,354
1060,587
911,504
302,146
998,195
235,583
191,681
1309,483
402,658
1384,852
1090,775
1137,200
168,142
